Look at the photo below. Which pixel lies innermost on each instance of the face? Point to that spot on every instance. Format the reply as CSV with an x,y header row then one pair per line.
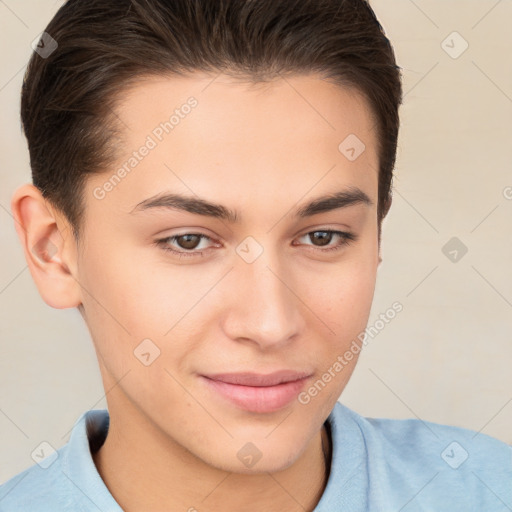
x,y
176,296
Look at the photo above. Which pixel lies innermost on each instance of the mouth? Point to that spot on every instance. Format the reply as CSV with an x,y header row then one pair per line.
x,y
259,393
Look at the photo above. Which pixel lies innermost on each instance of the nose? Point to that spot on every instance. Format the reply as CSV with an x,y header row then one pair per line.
x,y
263,308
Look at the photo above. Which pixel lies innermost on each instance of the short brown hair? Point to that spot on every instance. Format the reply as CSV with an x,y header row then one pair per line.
x,y
68,98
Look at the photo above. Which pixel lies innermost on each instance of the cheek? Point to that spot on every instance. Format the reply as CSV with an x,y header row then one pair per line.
x,y
342,295
128,291
343,303
118,301
135,297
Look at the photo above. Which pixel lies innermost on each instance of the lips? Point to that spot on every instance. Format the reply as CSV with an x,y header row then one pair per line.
x,y
260,393
258,380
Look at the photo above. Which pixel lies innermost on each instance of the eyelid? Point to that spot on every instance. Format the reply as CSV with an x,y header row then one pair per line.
x,y
346,238
201,236
343,228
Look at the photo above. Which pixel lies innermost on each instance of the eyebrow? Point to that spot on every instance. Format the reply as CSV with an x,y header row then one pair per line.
x,y
342,199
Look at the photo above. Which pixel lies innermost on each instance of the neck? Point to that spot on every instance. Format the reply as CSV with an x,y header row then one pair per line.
x,y
146,470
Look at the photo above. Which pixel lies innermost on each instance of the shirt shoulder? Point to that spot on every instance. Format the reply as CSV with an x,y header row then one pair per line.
x,y
428,444
413,464
64,479
39,487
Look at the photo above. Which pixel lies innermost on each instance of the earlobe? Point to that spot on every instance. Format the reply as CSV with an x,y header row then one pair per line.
x,y
49,247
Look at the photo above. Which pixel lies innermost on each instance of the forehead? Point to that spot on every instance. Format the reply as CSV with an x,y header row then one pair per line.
x,y
304,104
213,135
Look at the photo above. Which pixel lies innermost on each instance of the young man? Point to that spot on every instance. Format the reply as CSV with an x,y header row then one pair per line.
x,y
210,179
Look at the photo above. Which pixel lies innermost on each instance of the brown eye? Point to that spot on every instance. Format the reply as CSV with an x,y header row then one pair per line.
x,y
189,241
323,237
184,245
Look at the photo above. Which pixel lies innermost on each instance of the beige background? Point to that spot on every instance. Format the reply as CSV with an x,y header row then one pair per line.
x,y
445,358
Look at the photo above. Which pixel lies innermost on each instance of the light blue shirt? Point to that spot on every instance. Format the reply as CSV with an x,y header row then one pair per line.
x,y
380,465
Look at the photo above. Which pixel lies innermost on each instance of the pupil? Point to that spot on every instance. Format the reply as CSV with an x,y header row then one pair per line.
x,y
190,241
325,237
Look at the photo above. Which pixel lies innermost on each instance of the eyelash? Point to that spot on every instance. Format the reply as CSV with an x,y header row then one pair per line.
x,y
346,239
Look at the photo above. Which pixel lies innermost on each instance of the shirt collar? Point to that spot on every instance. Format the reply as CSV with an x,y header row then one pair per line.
x,y
78,465
346,486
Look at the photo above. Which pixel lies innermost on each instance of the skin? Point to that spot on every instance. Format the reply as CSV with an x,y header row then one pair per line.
x,y
262,150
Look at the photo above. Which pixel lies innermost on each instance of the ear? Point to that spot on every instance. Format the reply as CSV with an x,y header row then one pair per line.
x,y
49,247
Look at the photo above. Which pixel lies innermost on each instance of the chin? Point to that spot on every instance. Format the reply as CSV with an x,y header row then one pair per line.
x,y
264,465
245,457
